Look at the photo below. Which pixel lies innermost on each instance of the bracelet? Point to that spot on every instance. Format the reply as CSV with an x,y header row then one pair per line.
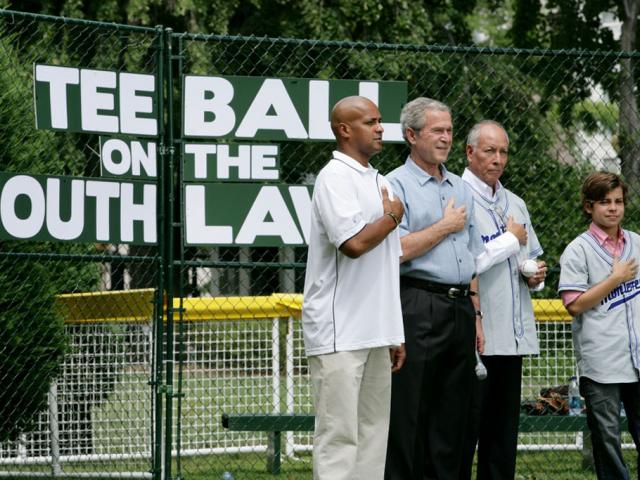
x,y
395,218
479,314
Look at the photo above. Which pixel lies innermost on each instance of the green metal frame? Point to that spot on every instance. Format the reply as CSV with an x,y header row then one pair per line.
x,y
157,381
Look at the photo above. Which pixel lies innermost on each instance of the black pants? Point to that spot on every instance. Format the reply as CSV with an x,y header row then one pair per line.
x,y
431,395
603,417
495,419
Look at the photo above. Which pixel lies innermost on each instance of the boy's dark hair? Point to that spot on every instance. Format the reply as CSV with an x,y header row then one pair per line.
x,y
597,185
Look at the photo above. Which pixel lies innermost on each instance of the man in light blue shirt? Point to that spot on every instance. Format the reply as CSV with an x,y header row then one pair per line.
x,y
431,400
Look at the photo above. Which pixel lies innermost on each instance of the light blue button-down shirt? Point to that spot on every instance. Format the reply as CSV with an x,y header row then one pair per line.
x,y
425,198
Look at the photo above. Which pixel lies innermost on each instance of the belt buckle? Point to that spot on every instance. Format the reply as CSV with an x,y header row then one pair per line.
x,y
454,292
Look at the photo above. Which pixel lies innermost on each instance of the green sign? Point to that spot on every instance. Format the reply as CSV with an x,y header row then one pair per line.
x,y
230,190
206,162
38,207
95,101
257,108
125,157
261,215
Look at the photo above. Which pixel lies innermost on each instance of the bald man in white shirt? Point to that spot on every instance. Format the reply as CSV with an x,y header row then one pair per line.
x,y
351,315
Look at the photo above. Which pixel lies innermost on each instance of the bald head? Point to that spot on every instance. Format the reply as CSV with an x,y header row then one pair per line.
x,y
356,124
348,110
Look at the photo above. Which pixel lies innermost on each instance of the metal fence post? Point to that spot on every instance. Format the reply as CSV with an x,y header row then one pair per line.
x,y
169,260
158,358
54,431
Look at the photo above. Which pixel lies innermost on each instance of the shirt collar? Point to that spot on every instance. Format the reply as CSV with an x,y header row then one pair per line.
x,y
481,187
602,237
424,177
352,162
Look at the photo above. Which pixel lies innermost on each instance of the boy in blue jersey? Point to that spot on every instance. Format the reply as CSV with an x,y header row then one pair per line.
x,y
600,288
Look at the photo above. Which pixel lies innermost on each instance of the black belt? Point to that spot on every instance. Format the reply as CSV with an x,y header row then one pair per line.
x,y
451,291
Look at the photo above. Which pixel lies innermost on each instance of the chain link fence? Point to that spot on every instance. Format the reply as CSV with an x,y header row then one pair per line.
x,y
76,356
120,360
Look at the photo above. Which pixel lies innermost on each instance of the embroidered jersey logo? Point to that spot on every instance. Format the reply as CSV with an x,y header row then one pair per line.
x,y
488,238
627,291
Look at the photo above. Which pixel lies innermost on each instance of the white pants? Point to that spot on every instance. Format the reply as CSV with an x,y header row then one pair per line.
x,y
352,394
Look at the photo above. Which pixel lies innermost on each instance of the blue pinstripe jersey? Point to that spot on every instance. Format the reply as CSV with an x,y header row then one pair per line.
x,y
606,338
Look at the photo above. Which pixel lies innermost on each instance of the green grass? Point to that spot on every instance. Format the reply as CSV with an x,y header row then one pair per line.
x,y
546,465
551,465
207,396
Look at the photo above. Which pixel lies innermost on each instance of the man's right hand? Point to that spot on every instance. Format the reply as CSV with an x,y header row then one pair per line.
x,y
454,218
518,230
394,206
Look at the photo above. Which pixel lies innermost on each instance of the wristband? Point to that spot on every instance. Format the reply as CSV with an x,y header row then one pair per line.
x,y
479,314
395,219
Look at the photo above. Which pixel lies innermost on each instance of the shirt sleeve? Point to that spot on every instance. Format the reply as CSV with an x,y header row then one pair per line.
x,y
338,208
497,251
573,270
569,296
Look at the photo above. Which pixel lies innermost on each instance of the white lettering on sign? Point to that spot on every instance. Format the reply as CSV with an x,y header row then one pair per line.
x,y
131,104
208,95
93,100
268,216
238,211
58,228
43,217
121,158
200,152
269,203
100,92
272,96
252,162
144,212
208,111
103,193
14,225
302,204
58,78
319,121
197,232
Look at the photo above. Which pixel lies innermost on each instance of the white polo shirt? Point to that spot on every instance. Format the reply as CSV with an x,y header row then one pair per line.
x,y
350,304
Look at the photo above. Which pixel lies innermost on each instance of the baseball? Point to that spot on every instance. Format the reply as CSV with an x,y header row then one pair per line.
x,y
529,268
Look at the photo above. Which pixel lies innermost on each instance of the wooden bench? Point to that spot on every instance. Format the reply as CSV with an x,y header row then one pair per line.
x,y
276,423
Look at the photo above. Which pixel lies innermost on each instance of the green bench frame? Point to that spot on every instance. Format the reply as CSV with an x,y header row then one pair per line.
x,y
276,423
272,423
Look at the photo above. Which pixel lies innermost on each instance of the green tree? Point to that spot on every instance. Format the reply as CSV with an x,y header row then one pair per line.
x,y
578,24
432,21
32,338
